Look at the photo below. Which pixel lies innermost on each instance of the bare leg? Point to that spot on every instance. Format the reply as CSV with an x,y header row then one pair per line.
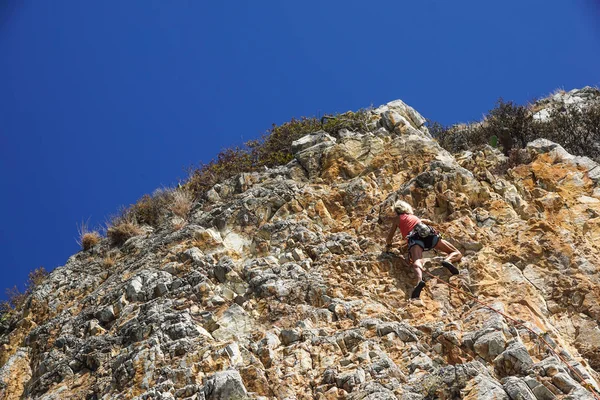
x,y
452,252
416,254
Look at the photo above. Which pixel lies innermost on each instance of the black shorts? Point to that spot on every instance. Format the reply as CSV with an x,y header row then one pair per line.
x,y
426,243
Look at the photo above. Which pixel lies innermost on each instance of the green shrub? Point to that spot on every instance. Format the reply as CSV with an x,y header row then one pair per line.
x,y
507,122
228,163
510,123
459,137
272,149
576,129
275,147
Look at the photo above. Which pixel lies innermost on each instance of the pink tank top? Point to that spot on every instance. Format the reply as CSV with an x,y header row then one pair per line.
x,y
407,223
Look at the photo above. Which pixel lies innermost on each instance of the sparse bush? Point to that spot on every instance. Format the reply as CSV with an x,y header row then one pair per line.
x,y
119,233
437,130
15,298
150,210
5,310
507,122
36,277
181,203
275,146
510,123
574,127
459,137
229,162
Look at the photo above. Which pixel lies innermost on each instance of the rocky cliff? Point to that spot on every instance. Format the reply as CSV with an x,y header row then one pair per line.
x,y
277,285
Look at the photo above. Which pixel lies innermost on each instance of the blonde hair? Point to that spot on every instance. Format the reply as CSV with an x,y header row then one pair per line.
x,y
402,207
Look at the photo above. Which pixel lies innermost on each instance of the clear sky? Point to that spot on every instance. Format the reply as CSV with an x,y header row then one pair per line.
x,y
103,101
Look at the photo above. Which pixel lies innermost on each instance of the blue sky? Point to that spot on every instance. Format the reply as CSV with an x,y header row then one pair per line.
x,y
103,101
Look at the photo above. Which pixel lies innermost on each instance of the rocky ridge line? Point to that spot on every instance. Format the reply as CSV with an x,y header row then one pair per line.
x,y
277,287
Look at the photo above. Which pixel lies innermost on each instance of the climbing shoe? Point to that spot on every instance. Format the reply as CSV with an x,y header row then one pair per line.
x,y
450,267
417,290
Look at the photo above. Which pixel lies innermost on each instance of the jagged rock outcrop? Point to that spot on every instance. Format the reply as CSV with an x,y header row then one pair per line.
x,y
277,286
579,98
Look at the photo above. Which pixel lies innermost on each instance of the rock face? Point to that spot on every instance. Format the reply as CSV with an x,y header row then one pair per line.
x,y
277,287
580,98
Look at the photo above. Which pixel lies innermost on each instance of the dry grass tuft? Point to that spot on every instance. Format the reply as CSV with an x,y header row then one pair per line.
x,y
87,238
119,233
179,225
181,203
108,262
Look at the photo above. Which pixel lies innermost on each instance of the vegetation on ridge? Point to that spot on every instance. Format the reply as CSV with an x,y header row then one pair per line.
x,y
574,127
272,149
15,298
87,239
507,125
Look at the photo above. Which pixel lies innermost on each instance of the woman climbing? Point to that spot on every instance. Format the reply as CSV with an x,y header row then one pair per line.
x,y
421,237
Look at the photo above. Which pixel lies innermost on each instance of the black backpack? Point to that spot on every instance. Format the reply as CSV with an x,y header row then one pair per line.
x,y
423,230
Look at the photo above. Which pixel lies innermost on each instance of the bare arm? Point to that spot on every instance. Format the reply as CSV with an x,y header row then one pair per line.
x,y
390,235
427,221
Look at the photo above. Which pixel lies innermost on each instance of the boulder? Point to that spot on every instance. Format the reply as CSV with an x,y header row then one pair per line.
x,y
517,389
490,345
515,360
225,385
483,387
234,323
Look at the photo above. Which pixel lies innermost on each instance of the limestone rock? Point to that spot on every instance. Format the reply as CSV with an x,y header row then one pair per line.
x,y
234,323
515,360
490,345
517,389
311,140
14,375
226,385
277,285
484,388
